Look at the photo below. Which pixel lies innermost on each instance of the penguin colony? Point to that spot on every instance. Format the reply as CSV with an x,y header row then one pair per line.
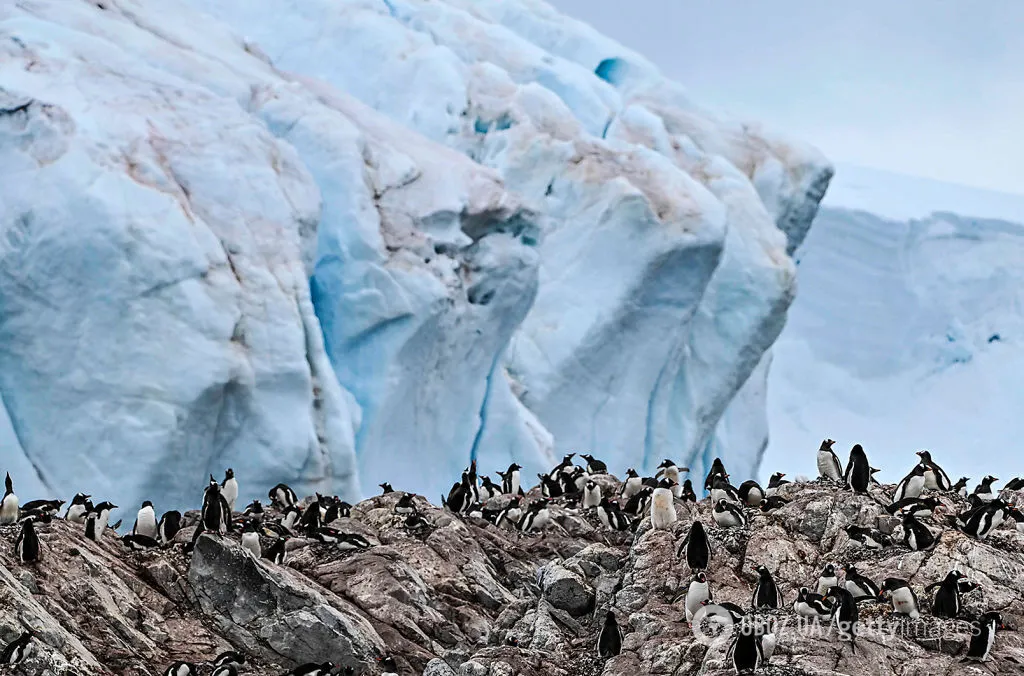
x,y
640,500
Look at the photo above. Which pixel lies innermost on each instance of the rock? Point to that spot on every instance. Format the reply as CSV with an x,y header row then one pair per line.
x,y
438,667
566,589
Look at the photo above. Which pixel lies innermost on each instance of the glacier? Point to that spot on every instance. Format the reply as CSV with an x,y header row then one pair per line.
x,y
336,243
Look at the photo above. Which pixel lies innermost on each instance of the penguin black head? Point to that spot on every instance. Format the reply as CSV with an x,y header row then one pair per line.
x,y
250,526
514,467
762,571
666,483
147,503
591,484
213,481
229,474
992,616
721,504
386,487
826,445
79,498
919,469
775,478
631,473
925,456
104,505
829,570
512,641
387,663
9,484
588,457
666,463
700,577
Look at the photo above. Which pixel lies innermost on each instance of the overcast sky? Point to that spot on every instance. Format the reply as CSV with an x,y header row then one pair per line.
x,y
926,87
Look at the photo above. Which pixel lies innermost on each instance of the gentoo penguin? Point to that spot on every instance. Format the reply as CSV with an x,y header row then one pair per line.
x,y
935,478
698,547
344,509
911,486
225,670
591,495
1018,518
139,542
417,523
753,646
983,635
774,502
41,509
26,546
858,585
717,469
351,541
145,521
405,504
916,535
811,605
721,489
904,600
698,591
96,522
170,524
17,650
311,669
728,515
669,470
827,579
775,482
229,489
489,489
594,466
510,480
916,507
181,669
609,641
251,539
550,487
766,593
751,493
215,515
829,466
574,480
984,489
844,614
79,508
960,487
460,497
277,552
385,488
632,485
564,466
611,516
388,666
663,509
290,517
510,514
9,503
254,510
858,470
282,496
983,520
535,517
637,504
725,613
1014,484
688,494
947,599
228,657
872,539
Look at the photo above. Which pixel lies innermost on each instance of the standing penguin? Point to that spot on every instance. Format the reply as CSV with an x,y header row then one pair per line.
x,y
229,489
766,593
79,508
912,485
829,466
947,599
775,482
591,495
215,515
827,579
17,650
510,480
717,469
509,515
858,470
282,496
844,614
698,592
935,478
609,641
632,485
698,548
751,493
594,466
663,509
277,552
96,522
251,539
688,494
728,515
983,636
27,544
983,490
904,600
669,470
145,521
536,517
960,487
389,666
857,585
170,524
9,503
980,522
916,535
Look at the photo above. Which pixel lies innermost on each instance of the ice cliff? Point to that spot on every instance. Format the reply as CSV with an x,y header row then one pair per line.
x,y
342,242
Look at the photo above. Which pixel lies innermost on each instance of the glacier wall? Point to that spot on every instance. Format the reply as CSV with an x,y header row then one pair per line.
x,y
367,241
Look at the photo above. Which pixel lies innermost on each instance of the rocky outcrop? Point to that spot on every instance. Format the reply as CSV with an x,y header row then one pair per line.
x,y
465,597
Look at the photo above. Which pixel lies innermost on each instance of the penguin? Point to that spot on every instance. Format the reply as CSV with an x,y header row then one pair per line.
x,y
181,669
858,585
872,539
638,503
388,666
229,489
385,488
811,605
903,598
42,509
774,502
17,650
351,541
460,497
344,509
844,614
26,546
78,509
752,648
935,478
536,517
631,486
983,635
766,593
405,504
960,487
591,495
573,481
663,509
290,517
698,547
564,466
550,488
510,513
609,641
145,521
510,479
698,591
96,522
225,670
489,489
980,522
688,494
728,515
170,524
916,535
725,613
1018,518
775,482
215,516
594,466
717,469
282,496
984,489
858,470
670,471
1014,484
721,489
827,579
228,657
254,510
251,539
872,479
946,602
829,466
277,553
912,485
917,507
311,669
611,516
751,493
139,542
9,503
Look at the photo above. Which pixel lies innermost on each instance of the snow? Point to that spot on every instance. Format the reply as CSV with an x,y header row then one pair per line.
x,y
906,334
336,243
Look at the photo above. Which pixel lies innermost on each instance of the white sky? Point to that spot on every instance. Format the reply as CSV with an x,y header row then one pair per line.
x,y
930,88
